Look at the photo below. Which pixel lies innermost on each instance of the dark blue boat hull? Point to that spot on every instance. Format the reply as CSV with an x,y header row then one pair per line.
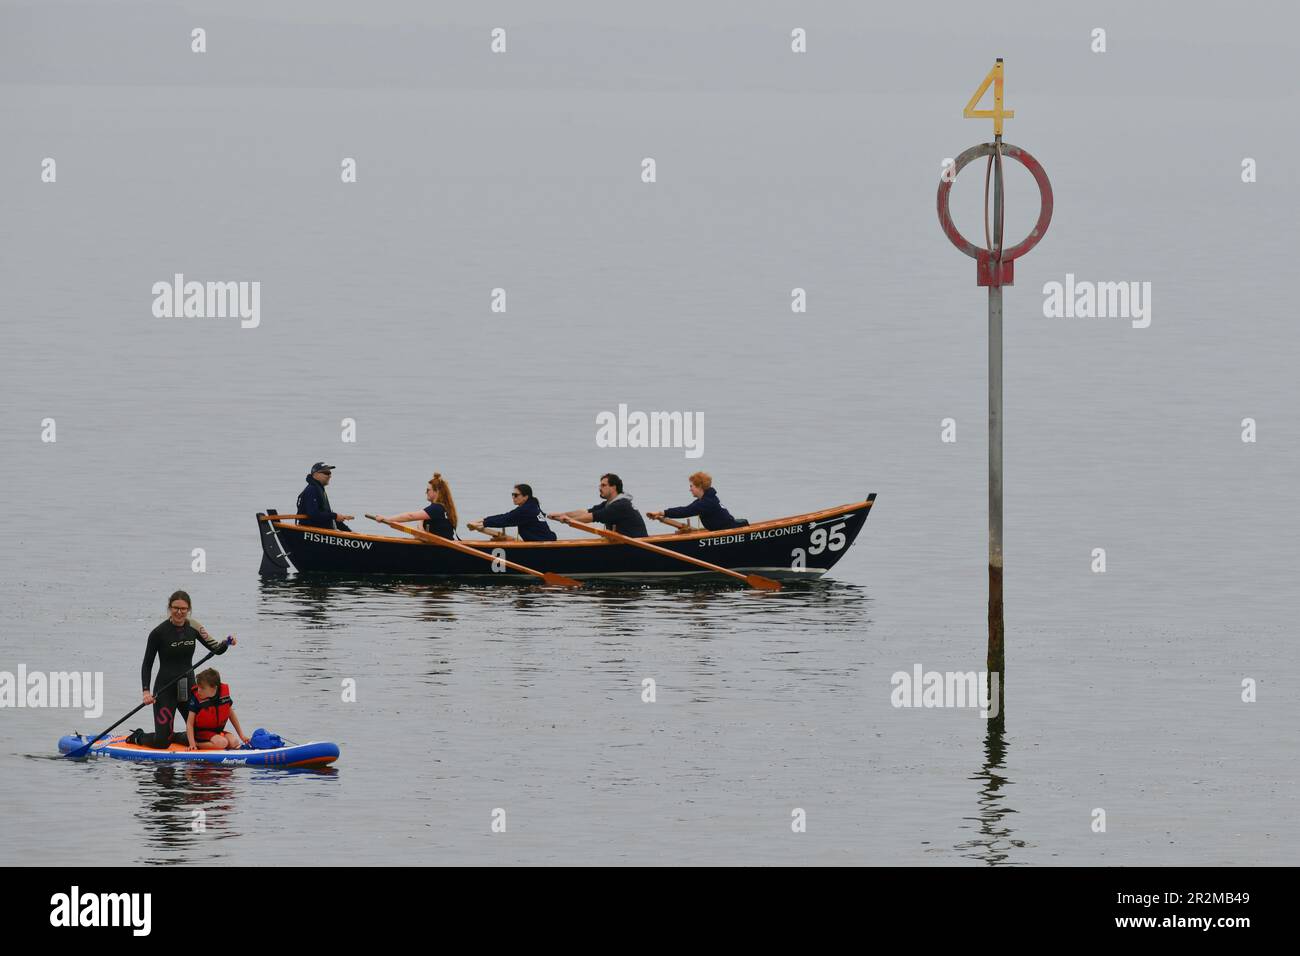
x,y
800,547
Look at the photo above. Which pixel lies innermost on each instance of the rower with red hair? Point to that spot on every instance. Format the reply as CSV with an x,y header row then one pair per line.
x,y
440,516
706,505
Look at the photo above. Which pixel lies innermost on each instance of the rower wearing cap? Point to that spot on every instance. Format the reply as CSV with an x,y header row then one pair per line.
x,y
314,503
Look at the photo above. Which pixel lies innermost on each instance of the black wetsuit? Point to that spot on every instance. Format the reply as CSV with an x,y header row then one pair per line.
x,y
174,647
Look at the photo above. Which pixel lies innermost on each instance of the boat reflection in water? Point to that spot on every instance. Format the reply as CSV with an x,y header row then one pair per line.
x,y
822,625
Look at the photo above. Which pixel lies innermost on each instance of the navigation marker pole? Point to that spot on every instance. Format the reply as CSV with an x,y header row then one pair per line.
x,y
995,268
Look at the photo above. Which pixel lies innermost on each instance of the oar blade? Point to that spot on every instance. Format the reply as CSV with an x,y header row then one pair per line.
x,y
762,583
559,580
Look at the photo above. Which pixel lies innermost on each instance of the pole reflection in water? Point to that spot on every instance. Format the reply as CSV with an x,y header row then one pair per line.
x,y
994,843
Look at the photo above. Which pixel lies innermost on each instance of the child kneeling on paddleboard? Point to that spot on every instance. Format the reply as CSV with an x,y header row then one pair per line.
x,y
210,707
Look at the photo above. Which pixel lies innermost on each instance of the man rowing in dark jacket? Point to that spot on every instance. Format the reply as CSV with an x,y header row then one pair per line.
x,y
614,511
315,503
707,505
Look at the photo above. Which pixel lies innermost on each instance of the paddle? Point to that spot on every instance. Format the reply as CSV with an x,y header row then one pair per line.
x,y
82,751
559,580
753,580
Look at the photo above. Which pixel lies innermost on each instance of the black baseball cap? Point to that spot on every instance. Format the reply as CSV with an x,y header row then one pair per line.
x,y
319,466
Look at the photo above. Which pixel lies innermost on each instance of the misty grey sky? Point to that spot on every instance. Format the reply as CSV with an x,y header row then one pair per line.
x,y
1200,51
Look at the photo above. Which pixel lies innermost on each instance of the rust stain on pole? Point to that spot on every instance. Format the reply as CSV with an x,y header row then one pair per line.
x,y
996,660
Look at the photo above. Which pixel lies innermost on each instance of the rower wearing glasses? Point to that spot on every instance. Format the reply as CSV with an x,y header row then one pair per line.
x,y
526,516
440,516
314,502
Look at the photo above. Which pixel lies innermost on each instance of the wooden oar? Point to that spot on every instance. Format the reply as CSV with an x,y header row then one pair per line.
x,y
753,580
279,517
559,580
679,525
491,533
85,748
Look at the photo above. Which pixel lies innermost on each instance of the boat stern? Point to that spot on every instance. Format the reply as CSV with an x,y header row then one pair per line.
x,y
275,557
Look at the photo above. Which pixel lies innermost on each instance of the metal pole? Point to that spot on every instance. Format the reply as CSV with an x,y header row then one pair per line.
x,y
995,268
996,654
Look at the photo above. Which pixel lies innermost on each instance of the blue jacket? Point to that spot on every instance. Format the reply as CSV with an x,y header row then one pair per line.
x,y
527,518
315,504
713,516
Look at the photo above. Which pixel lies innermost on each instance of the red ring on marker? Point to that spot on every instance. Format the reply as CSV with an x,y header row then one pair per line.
x,y
985,273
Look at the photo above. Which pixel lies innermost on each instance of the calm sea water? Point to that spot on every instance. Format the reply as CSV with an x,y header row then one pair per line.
x,y
1123,689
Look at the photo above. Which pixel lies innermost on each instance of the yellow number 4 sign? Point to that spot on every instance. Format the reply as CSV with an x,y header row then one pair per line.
x,y
997,114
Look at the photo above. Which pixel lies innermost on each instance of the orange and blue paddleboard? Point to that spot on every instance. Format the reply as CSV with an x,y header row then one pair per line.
x,y
296,755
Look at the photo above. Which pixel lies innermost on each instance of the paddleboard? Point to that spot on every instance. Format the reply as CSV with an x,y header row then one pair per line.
x,y
297,755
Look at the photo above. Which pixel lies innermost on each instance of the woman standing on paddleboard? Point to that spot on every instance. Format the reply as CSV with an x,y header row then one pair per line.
x,y
173,643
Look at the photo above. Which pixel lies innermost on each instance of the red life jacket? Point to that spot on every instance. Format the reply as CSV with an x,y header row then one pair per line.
x,y
210,715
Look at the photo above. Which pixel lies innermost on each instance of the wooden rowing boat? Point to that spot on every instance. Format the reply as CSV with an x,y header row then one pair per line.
x,y
800,547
